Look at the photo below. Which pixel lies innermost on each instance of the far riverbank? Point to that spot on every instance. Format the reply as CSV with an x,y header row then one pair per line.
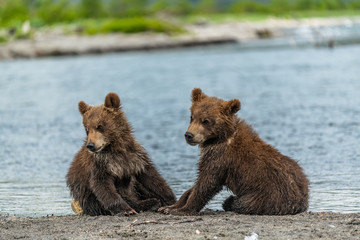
x,y
57,43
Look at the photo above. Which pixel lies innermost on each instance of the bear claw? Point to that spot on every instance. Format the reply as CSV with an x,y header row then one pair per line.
x,y
75,205
131,212
165,210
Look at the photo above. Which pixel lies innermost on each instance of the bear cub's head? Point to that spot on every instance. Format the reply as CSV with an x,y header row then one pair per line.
x,y
212,120
103,123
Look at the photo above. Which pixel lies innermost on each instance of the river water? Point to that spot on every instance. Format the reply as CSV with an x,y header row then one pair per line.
x,y
303,101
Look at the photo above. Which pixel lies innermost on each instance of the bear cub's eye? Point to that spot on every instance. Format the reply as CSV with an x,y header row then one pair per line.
x,y
100,128
205,122
87,131
191,118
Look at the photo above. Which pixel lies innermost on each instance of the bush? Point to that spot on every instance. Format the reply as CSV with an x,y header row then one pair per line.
x,y
248,7
159,6
280,6
14,11
206,7
50,11
302,5
182,7
128,8
91,9
354,5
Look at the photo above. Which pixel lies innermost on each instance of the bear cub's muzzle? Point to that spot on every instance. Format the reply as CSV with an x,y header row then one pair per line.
x,y
189,137
91,147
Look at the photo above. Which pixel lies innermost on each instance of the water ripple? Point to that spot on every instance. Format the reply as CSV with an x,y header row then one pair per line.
x,y
303,101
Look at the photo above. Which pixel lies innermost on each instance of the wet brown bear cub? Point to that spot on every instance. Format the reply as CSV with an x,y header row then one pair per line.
x,y
112,173
262,179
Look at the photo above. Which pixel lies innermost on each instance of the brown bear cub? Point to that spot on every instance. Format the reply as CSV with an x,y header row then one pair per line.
x,y
264,181
112,173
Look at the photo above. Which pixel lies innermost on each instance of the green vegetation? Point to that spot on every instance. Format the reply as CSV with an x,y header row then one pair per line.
x,y
130,25
45,12
3,39
131,16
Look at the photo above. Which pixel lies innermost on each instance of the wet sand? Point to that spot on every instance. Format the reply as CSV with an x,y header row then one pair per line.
x,y
56,42
208,225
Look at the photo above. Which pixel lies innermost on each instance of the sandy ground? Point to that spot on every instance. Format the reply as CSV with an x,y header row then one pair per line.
x,y
207,225
57,43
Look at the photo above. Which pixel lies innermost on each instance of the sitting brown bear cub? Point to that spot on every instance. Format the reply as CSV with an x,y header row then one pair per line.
x,y
112,173
263,180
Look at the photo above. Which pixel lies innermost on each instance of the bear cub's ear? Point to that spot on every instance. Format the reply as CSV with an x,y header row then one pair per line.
x,y
232,106
197,95
83,107
112,100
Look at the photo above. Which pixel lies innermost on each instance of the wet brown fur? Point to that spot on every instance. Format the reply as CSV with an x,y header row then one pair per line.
x,y
264,181
118,177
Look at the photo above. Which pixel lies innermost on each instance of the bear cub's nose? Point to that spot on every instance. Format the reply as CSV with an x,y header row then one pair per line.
x,y
91,146
189,136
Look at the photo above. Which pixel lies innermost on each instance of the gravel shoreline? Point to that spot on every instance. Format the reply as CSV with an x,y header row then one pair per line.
x,y
208,225
57,43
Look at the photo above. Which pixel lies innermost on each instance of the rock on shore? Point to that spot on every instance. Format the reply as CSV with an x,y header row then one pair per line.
x,y
208,225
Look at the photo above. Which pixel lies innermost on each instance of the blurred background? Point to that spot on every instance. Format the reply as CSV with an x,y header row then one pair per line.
x,y
294,65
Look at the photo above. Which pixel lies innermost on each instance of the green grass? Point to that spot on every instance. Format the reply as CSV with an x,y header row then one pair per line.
x,y
258,17
224,17
49,12
130,25
3,39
